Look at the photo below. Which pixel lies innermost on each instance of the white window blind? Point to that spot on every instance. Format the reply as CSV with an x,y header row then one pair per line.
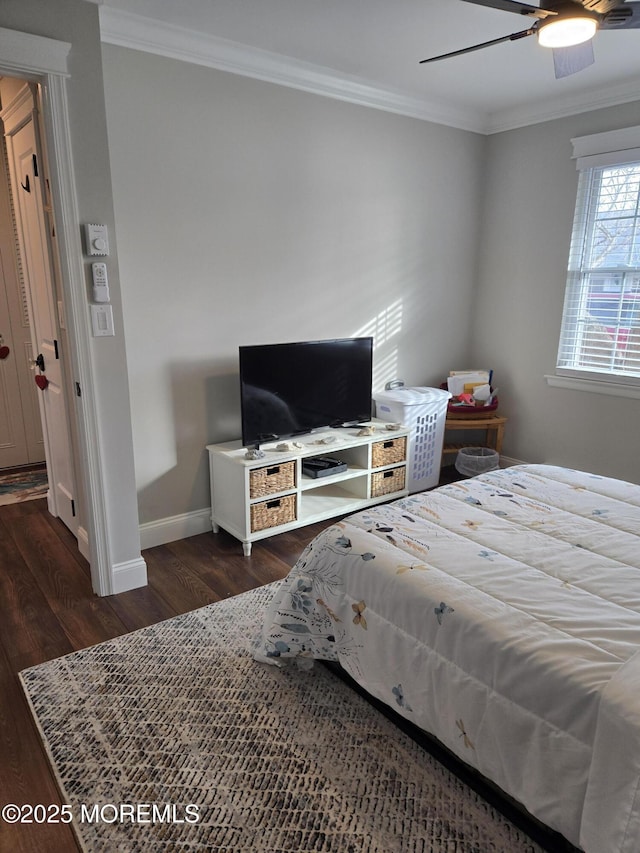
x,y
600,337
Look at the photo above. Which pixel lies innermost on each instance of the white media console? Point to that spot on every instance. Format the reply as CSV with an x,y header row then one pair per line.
x,y
256,498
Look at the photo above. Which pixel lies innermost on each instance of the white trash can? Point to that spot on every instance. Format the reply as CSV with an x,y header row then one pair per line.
x,y
424,411
471,461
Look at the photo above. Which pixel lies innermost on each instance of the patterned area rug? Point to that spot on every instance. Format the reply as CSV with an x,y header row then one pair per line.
x,y
23,486
174,738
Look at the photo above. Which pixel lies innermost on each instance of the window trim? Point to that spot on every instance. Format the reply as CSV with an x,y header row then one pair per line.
x,y
564,378
611,148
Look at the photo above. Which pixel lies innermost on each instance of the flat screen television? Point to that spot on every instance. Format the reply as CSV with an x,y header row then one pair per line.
x,y
292,388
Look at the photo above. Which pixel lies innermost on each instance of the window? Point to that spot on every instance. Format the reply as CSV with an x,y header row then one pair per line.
x,y
600,337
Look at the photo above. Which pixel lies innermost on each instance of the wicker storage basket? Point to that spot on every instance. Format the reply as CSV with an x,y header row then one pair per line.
x,y
388,452
272,513
272,479
386,482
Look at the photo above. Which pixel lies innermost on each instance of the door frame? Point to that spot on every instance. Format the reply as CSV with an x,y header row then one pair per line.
x,y
43,293
44,61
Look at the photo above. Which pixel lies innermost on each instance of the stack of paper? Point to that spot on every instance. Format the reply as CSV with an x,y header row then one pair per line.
x,y
465,381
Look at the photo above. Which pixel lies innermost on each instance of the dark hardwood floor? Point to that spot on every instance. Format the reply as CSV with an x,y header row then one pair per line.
x,y
48,609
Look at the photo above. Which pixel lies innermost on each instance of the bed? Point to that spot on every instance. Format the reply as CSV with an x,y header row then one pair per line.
x,y
501,614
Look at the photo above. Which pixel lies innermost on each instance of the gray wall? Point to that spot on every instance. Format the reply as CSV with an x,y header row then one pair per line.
x,y
527,215
252,213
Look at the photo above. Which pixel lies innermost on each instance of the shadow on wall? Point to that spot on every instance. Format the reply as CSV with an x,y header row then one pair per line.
x,y
222,394
205,409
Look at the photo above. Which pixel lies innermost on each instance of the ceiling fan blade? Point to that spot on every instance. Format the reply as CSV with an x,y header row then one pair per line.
x,y
514,6
511,37
625,16
570,60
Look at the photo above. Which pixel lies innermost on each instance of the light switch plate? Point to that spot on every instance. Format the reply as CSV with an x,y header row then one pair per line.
x,y
102,321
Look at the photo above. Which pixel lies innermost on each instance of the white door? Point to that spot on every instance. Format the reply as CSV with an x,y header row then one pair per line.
x,y
21,441
26,164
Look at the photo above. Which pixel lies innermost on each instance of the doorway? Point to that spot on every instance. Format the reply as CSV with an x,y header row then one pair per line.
x,y
108,534
21,439
37,425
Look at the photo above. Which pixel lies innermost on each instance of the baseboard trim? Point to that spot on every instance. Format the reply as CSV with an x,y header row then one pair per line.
x,y
83,543
187,524
175,527
129,575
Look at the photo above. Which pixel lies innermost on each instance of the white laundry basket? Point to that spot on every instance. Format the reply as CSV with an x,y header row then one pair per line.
x,y
424,411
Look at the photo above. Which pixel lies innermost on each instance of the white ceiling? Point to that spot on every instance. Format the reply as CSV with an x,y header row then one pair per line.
x,y
373,47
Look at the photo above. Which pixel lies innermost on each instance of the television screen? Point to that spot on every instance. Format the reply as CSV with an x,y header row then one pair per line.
x,y
293,388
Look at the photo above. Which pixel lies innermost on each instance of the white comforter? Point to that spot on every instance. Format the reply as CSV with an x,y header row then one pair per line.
x,y
501,614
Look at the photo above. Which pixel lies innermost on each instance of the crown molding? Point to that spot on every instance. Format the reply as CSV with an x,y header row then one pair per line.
x,y
137,32
140,33
582,102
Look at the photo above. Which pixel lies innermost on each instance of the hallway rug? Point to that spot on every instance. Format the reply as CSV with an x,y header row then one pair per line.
x,y
173,738
21,486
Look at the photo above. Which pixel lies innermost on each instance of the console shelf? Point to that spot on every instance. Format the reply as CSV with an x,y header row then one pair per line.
x,y
256,498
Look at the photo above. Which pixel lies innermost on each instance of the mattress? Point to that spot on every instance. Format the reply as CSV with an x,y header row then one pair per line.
x,y
502,615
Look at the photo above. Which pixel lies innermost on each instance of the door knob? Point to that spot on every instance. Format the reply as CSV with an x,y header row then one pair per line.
x,y
39,361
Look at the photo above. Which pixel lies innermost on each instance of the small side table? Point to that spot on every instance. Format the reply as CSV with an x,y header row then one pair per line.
x,y
492,424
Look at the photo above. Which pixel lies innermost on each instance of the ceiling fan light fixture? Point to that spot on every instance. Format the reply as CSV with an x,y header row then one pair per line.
x,y
565,31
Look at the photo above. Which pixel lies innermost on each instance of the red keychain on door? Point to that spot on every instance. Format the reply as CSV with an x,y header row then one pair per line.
x,y
41,379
